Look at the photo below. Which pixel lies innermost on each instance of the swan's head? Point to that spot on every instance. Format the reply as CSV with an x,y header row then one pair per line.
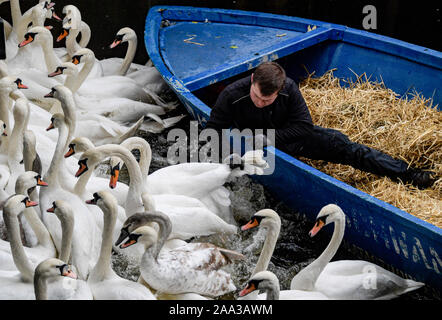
x,y
53,267
105,200
64,33
36,34
263,218
63,211
140,219
89,159
72,18
123,35
328,214
16,204
27,181
260,281
59,92
145,235
10,84
57,121
83,55
3,129
67,68
79,145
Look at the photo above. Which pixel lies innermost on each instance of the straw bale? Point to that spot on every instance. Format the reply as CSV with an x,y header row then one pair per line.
x,y
371,114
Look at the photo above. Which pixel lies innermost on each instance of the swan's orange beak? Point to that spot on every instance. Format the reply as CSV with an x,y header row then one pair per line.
x,y
75,60
114,43
128,243
251,224
250,288
83,168
41,182
55,73
54,15
20,85
92,201
51,209
70,274
70,152
318,226
51,126
49,95
62,35
115,172
26,41
30,203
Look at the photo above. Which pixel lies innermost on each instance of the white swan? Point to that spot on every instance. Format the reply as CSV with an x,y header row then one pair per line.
x,y
98,129
84,247
146,76
189,216
110,86
37,80
72,26
19,286
269,220
67,287
78,146
122,110
202,180
104,282
192,267
347,279
267,280
43,248
23,58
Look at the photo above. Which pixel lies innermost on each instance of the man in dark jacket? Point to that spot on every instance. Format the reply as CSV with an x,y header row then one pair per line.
x,y
269,100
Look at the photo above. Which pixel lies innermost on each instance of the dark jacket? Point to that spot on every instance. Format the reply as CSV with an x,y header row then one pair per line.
x,y
288,114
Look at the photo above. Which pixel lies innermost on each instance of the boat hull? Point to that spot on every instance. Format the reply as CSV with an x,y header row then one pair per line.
x,y
405,244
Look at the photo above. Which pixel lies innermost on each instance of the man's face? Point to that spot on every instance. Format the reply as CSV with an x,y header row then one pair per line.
x,y
260,100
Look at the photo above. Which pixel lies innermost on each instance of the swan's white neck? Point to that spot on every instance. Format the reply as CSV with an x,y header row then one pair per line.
x,y
4,116
72,45
273,291
306,278
15,152
268,247
51,59
67,231
145,154
82,75
129,57
103,268
70,115
15,14
40,288
51,176
18,252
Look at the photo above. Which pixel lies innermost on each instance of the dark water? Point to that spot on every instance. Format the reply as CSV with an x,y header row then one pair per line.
x,y
294,249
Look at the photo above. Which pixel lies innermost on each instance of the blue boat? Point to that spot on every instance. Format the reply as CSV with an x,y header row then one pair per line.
x,y
195,49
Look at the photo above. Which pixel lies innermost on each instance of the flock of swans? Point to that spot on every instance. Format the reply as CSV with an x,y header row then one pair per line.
x,y
62,113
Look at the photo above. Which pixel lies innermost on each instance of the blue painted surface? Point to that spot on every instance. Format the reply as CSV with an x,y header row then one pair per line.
x,y
207,46
412,246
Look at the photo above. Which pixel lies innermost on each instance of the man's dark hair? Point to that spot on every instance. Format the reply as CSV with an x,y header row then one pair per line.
x,y
270,77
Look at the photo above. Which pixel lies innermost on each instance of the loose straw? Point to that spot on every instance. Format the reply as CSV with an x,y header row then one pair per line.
x,y
371,114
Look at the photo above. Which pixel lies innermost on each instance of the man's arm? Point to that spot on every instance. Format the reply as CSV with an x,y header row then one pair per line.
x,y
299,121
221,114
